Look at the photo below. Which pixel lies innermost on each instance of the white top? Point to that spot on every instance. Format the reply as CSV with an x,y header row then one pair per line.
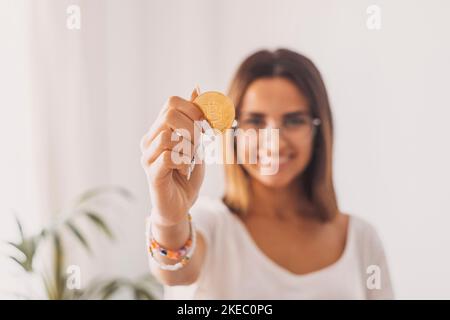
x,y
236,268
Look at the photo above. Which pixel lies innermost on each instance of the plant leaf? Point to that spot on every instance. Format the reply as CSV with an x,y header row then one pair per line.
x,y
58,264
99,222
49,287
22,264
19,225
44,233
18,247
27,250
78,235
141,293
109,289
92,193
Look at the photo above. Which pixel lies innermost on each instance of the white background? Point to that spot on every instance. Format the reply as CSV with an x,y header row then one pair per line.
x,y
74,104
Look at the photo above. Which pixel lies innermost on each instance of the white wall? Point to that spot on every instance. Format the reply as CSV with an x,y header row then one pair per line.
x,y
18,186
97,90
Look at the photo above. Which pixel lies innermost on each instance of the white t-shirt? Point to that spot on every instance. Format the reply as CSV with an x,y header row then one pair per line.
x,y
236,268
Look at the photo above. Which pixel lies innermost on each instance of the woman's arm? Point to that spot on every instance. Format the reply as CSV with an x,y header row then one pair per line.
x,y
174,237
173,187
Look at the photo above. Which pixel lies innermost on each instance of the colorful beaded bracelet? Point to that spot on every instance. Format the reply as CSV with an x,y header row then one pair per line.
x,y
185,253
172,254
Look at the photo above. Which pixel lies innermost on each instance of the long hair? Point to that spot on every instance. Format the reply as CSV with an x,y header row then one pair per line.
x,y
317,178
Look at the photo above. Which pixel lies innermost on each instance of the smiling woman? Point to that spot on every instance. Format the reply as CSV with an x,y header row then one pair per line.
x,y
81,82
286,91
271,236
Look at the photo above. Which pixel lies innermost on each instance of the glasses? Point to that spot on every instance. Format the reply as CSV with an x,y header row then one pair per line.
x,y
302,126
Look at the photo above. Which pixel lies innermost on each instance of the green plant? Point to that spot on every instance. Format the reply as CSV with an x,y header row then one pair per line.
x,y
54,281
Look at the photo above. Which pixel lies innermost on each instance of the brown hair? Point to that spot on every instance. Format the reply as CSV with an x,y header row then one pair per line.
x,y
317,178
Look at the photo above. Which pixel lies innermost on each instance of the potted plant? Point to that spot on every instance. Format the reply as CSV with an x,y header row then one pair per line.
x,y
54,281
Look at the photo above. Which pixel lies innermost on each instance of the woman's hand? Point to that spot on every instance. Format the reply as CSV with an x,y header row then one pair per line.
x,y
167,165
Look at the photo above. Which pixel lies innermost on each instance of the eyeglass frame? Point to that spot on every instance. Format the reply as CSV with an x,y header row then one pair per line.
x,y
316,122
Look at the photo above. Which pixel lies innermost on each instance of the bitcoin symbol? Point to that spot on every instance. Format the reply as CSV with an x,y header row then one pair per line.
x,y
217,108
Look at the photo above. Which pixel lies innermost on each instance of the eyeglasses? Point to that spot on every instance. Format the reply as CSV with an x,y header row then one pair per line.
x,y
302,126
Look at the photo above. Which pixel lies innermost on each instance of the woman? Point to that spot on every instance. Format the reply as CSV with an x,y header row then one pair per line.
x,y
272,236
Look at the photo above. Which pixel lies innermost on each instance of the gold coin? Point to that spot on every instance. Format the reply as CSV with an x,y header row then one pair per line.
x,y
217,108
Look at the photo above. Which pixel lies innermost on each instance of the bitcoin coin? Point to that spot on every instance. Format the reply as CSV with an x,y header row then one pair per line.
x,y
217,108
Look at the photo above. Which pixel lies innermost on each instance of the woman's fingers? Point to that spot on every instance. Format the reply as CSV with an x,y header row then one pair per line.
x,y
183,106
181,117
172,139
176,122
167,140
164,164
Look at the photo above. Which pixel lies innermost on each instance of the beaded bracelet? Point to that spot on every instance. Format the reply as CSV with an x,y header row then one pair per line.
x,y
172,254
185,253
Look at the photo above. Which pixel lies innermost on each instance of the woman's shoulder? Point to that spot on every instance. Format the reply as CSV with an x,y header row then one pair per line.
x,y
372,257
366,235
361,225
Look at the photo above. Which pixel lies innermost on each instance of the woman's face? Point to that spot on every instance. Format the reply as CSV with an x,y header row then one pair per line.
x,y
276,103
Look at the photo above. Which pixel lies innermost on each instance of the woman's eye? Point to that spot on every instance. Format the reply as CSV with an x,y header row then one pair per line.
x,y
254,121
295,121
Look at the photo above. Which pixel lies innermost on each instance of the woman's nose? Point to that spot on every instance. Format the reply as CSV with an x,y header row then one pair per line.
x,y
273,124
